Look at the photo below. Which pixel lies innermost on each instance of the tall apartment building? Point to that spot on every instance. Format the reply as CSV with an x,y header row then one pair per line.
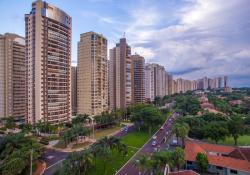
x,y
226,81
92,74
120,75
74,90
170,84
220,82
12,77
48,54
155,81
138,78
166,83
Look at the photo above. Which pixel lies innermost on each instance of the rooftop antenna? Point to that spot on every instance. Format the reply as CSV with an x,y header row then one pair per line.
x,y
124,34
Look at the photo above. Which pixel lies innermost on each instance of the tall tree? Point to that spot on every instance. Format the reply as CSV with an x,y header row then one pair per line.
x,y
181,131
236,127
142,164
216,131
202,161
178,158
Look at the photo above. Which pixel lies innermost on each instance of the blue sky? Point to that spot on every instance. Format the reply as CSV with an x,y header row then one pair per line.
x,y
191,38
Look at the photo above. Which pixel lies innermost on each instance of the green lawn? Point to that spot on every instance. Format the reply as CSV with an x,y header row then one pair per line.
x,y
136,139
113,164
105,132
242,141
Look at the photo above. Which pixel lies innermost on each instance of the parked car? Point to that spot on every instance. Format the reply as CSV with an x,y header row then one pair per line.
x,y
154,137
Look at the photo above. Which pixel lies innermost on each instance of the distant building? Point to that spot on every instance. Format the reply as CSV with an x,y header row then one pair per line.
x,y
92,74
74,90
220,82
120,92
155,81
226,81
170,84
48,56
138,78
12,77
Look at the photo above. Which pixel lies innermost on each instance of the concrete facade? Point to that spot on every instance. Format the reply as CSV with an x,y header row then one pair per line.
x,y
92,74
120,90
12,77
138,79
74,90
48,56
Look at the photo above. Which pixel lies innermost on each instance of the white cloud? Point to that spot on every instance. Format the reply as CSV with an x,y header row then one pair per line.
x,y
208,37
147,53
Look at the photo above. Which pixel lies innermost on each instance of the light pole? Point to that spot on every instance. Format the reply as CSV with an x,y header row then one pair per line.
x,y
31,159
93,127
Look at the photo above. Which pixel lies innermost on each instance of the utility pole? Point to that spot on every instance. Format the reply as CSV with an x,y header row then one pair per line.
x,y
31,159
92,119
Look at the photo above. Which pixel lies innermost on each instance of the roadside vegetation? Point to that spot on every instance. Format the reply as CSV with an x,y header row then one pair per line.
x,y
15,153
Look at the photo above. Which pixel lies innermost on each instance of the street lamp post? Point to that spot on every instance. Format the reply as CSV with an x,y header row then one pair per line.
x,y
31,159
93,127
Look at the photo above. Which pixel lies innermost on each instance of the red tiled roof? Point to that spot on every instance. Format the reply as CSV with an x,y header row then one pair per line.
x,y
193,147
185,172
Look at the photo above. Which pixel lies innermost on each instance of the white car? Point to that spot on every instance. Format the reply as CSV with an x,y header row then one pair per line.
x,y
154,143
154,137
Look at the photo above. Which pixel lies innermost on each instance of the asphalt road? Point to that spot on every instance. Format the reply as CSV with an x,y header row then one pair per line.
x,y
54,158
164,133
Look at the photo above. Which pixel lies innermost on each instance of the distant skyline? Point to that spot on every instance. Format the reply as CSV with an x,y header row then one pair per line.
x,y
191,38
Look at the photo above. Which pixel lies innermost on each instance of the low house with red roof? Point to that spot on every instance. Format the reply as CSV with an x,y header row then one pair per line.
x,y
224,160
184,172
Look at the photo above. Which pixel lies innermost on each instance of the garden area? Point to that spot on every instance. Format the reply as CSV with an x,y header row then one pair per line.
x,y
109,154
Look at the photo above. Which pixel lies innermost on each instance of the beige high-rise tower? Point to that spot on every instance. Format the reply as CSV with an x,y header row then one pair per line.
x,y
120,75
74,90
92,74
155,81
12,77
48,54
138,78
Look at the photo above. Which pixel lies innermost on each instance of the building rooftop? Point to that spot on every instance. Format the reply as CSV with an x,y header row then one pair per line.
x,y
184,172
219,155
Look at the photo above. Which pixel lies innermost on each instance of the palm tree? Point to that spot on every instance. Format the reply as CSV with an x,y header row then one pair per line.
x,y
87,160
181,131
142,163
178,158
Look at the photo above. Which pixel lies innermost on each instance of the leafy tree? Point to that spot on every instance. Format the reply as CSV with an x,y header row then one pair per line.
x,y
157,101
77,163
142,163
216,131
187,104
148,117
15,151
160,159
181,131
236,127
81,118
26,127
202,161
10,123
178,158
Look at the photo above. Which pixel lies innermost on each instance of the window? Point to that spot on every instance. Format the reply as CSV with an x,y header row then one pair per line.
x,y
219,168
233,171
